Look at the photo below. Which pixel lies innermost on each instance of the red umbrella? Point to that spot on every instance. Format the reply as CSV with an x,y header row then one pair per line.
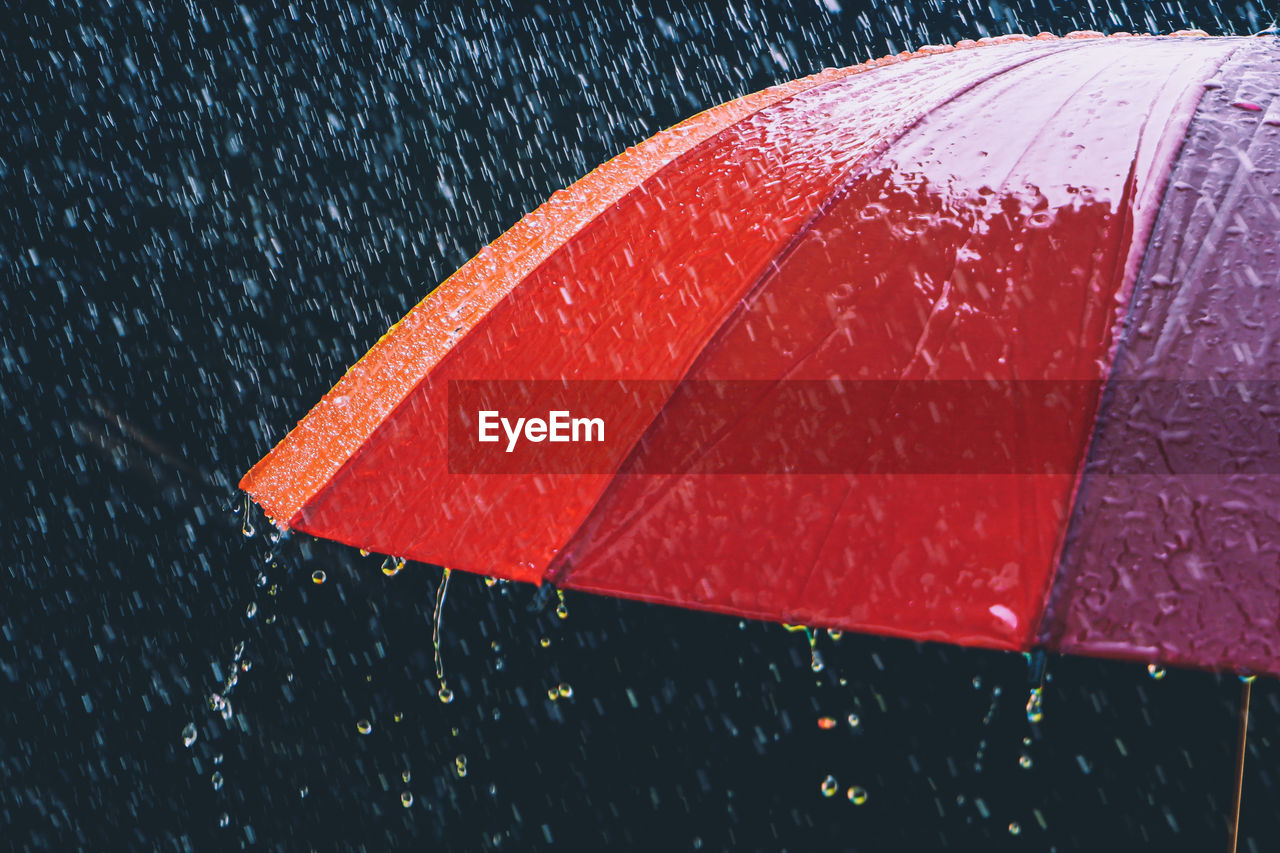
x,y
970,344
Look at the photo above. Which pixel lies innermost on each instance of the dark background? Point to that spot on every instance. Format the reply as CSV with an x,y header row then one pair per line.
x,y
206,217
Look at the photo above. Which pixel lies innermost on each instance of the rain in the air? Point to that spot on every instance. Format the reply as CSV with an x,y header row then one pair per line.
x,y
603,425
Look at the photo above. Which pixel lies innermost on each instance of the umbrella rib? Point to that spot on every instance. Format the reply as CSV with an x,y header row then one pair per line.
x,y
1061,585
264,483
335,479
929,323
1033,626
859,171
1119,267
561,571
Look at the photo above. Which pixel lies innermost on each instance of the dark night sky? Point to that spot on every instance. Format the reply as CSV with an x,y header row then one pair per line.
x,y
208,215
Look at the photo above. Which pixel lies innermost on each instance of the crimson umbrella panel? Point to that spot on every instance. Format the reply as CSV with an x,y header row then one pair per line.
x,y
971,345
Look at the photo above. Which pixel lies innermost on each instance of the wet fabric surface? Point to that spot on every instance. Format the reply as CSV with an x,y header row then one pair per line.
x,y
1174,549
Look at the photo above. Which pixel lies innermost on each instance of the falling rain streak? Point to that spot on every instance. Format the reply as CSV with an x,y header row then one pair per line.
x,y
213,213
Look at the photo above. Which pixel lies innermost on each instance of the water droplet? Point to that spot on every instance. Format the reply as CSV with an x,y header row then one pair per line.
x,y
437,617
1015,828
830,786
247,528
303,791
565,691
1024,761
252,610
815,659
318,576
224,820
364,727
1248,679
857,795
1035,705
1156,671
189,734
562,609
460,765
854,722
406,776
977,682
490,582
826,723
392,566
216,779
553,694
835,634
363,552
544,642
397,718
406,799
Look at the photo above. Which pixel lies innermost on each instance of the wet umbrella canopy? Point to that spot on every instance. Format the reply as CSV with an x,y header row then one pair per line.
x,y
210,216
835,352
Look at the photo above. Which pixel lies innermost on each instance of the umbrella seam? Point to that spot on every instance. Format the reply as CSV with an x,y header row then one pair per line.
x,y
338,474
549,572
297,519
898,382
1046,633
559,570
